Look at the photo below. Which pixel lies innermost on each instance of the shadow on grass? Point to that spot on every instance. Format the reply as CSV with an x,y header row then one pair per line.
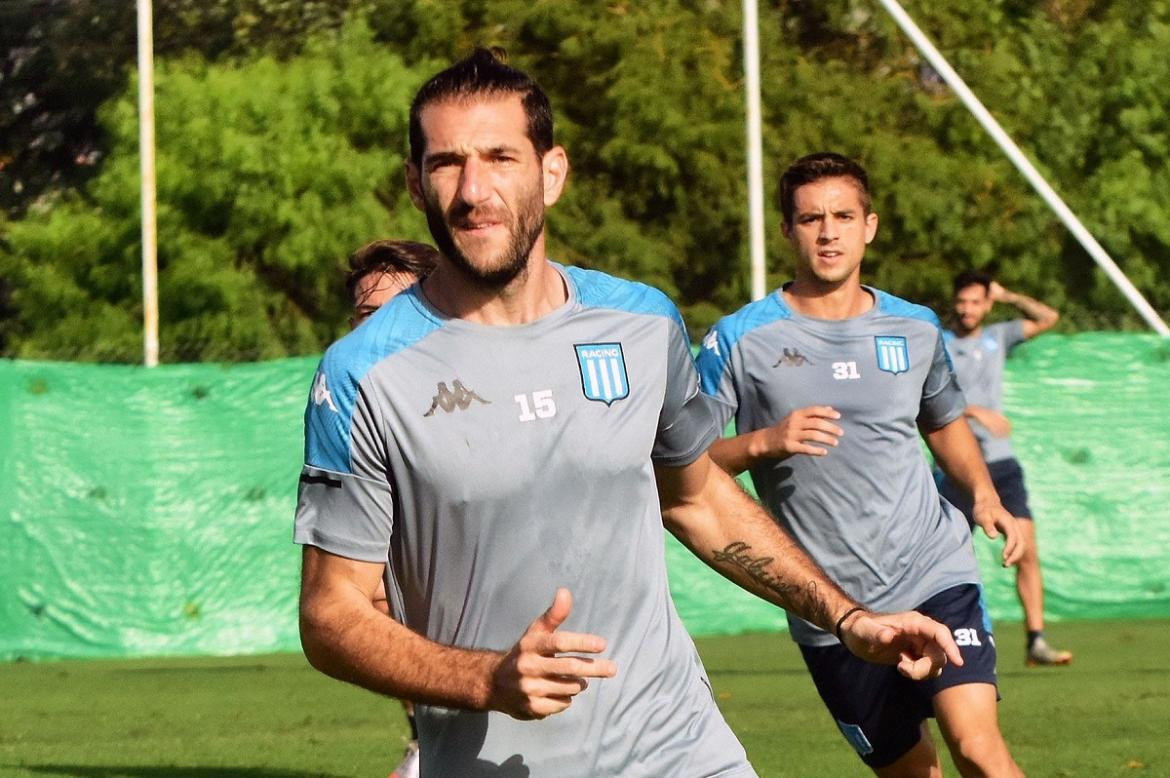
x,y
158,771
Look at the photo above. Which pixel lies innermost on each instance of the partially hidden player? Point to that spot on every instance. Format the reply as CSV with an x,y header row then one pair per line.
x,y
978,352
513,434
377,272
830,384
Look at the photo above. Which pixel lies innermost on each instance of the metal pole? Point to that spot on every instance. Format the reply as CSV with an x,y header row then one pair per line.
x,y
1090,244
755,154
146,165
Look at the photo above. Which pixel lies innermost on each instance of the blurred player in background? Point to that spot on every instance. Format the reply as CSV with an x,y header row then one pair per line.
x,y
830,384
978,352
511,432
377,272
382,269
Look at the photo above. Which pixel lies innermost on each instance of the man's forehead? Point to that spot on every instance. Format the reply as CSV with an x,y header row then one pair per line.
x,y
481,121
836,192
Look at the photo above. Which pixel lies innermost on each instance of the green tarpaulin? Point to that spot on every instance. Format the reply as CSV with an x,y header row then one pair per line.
x,y
148,512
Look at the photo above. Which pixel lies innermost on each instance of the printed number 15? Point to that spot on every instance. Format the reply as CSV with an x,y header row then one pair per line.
x,y
541,407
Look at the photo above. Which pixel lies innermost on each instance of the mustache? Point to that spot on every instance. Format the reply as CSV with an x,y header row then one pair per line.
x,y
464,215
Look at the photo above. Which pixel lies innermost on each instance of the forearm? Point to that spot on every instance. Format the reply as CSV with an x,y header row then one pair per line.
x,y
957,452
731,533
1035,310
348,639
739,453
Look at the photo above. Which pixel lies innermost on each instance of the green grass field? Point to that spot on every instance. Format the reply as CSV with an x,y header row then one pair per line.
x,y
273,717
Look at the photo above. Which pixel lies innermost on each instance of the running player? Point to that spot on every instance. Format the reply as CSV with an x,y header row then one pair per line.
x,y
978,352
830,383
512,432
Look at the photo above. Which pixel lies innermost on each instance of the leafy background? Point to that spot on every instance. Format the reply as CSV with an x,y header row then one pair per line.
x,y
282,131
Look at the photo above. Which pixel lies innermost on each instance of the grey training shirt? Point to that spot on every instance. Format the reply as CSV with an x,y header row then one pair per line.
x,y
490,465
868,512
979,361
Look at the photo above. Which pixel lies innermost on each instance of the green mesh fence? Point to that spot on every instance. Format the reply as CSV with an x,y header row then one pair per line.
x,y
148,512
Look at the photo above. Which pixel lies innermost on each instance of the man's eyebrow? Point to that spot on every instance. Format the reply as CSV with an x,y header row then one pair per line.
x,y
443,158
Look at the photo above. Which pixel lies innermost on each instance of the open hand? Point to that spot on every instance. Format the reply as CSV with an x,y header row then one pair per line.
x,y
995,519
533,681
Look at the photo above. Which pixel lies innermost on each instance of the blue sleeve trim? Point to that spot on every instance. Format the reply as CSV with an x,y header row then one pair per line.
x,y
715,351
329,416
896,306
601,290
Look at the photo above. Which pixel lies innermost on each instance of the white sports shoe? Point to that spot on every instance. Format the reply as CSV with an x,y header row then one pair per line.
x,y
1042,654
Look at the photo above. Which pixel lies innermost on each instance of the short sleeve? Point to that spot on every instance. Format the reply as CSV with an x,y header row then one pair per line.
x,y
687,424
344,499
1011,333
942,399
716,374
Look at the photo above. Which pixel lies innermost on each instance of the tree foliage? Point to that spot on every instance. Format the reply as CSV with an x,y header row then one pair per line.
x,y
281,135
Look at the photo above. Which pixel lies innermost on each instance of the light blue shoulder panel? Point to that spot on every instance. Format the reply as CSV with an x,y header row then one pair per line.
x,y
329,416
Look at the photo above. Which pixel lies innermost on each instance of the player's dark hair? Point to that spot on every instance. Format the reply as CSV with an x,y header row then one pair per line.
x,y
389,256
972,278
484,73
814,167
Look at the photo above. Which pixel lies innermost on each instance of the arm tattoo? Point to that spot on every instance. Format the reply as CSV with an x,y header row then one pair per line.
x,y
803,600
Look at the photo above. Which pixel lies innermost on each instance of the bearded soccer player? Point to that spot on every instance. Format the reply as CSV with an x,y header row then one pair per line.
x,y
979,351
830,384
513,433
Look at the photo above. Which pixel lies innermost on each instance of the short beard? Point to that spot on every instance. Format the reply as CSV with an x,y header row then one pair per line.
x,y
529,225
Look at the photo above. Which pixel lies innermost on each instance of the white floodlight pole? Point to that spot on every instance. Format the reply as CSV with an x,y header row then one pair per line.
x,y
146,169
1090,244
755,154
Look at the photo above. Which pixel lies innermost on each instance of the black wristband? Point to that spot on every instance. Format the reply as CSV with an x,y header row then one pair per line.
x,y
844,616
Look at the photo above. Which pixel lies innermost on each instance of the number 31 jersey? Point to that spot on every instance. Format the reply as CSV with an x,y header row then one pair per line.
x,y
868,511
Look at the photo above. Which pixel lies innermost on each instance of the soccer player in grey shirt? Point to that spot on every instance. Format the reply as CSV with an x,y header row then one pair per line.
x,y
830,383
979,351
512,433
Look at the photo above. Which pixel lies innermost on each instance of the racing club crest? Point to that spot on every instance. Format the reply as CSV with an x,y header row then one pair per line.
x,y
603,371
892,354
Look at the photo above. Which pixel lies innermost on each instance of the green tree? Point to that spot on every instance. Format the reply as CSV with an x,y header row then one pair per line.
x,y
269,174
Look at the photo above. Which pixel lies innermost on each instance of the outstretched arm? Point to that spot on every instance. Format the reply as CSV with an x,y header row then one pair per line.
x,y
796,433
708,512
957,452
1040,317
345,636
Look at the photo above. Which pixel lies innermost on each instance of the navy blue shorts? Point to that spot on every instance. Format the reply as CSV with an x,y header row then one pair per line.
x,y
1008,477
879,710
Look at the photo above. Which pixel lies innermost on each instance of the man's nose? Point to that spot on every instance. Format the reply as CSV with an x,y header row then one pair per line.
x,y
473,182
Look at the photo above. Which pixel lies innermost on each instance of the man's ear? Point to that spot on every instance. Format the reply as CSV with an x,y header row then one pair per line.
x,y
414,186
554,166
871,225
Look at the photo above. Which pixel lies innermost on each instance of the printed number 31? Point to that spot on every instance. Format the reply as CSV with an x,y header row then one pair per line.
x,y
541,406
845,371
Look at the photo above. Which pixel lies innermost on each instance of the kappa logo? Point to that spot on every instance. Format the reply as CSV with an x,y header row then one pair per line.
x,y
791,357
450,399
321,393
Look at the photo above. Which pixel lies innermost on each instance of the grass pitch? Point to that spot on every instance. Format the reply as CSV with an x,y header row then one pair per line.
x,y
1108,714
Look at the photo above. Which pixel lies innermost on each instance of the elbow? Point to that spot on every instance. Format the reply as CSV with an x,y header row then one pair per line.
x,y
314,632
